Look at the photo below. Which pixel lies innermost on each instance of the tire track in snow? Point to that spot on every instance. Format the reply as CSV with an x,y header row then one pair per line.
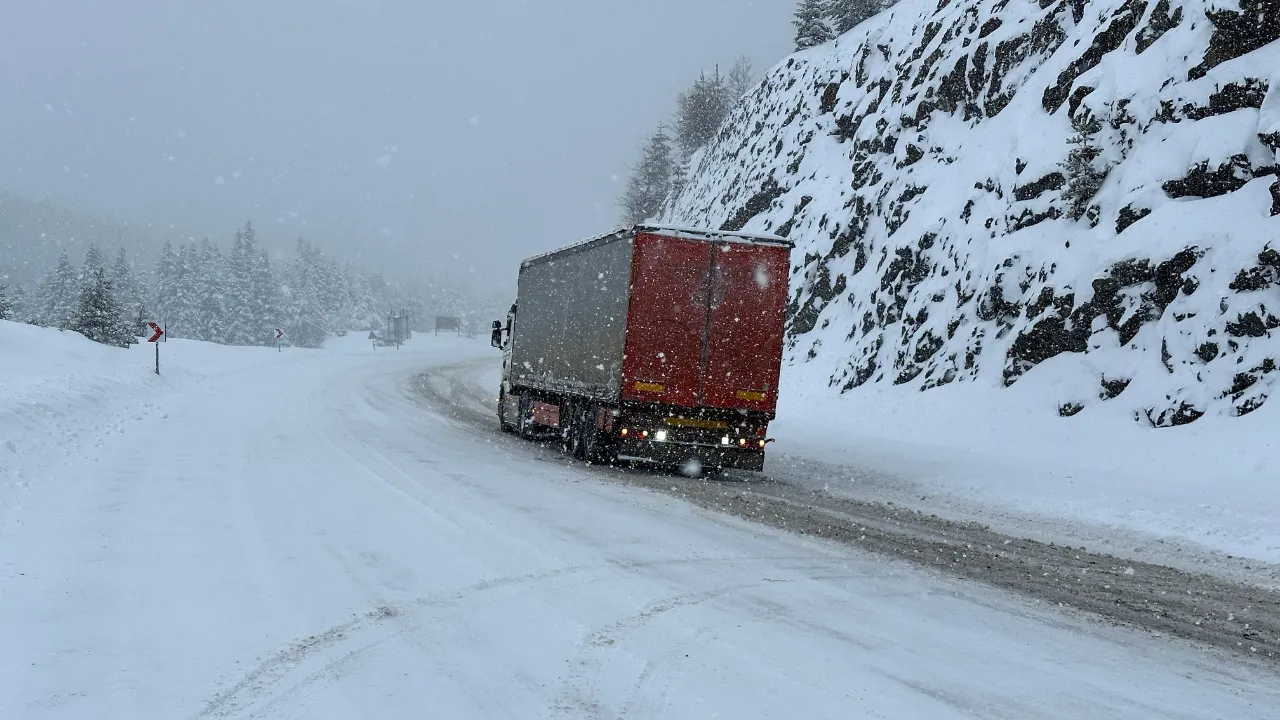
x,y
260,682
579,691
269,672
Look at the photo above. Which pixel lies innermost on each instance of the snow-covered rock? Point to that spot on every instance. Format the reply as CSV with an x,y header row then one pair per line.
x,y
922,164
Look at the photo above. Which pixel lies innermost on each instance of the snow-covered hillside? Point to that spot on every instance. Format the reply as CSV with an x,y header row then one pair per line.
x,y
937,168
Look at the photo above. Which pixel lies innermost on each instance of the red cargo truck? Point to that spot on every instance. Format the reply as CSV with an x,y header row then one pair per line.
x,y
653,344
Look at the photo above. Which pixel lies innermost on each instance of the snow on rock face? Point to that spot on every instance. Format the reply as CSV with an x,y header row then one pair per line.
x,y
977,186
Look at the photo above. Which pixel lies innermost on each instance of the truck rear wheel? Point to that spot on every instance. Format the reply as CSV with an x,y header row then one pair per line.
x,y
594,446
581,439
524,425
575,430
502,412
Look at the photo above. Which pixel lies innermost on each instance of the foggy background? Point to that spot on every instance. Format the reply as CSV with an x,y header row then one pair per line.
x,y
448,139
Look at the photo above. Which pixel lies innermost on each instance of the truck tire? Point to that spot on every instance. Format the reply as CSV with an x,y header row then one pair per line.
x,y
593,450
525,423
502,412
575,430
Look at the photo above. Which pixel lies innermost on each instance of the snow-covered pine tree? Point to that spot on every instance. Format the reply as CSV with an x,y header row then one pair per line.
x,y
1083,167
21,308
303,322
184,317
242,315
207,292
128,295
360,305
164,283
742,77
58,297
333,294
93,261
6,308
699,112
266,294
252,296
846,15
369,299
98,317
679,178
650,181
811,24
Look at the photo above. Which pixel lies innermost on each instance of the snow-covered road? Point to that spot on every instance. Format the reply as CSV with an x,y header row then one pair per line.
x,y
303,536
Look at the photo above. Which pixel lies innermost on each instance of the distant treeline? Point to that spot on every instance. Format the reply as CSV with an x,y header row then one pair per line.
x,y
233,296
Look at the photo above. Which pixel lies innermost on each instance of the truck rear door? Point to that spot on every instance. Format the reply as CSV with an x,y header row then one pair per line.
x,y
666,320
745,326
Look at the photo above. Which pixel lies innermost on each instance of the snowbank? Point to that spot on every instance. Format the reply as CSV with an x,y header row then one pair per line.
x,y
61,394
1009,459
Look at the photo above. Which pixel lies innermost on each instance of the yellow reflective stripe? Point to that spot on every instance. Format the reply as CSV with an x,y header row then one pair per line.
x,y
697,422
650,387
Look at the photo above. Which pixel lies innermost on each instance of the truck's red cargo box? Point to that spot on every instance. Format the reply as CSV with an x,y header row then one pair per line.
x,y
705,322
671,317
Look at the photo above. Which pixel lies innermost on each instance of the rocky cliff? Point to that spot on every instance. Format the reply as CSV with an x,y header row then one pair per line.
x,y
980,187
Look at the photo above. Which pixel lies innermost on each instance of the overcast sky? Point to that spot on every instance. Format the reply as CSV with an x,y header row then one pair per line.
x,y
409,130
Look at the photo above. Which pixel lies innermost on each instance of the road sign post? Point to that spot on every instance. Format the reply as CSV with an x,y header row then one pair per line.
x,y
279,334
154,340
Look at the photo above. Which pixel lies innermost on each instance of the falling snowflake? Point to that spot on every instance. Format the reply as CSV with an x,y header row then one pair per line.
x,y
762,277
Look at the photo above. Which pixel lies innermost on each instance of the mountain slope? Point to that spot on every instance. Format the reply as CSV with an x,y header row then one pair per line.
x,y
977,187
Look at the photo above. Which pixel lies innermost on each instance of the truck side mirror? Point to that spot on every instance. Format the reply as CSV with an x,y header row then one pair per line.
x,y
495,338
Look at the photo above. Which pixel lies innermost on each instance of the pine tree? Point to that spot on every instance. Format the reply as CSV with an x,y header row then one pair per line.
x,y
267,301
21,309
6,308
742,77
206,283
252,296
699,113
241,315
128,296
164,283
679,179
650,181
811,24
58,296
93,262
184,317
303,297
98,317
1084,169
846,15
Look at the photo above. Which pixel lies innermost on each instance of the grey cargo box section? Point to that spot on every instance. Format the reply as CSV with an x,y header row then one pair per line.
x,y
571,319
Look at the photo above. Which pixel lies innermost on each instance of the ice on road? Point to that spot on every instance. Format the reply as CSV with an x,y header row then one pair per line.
x,y
304,536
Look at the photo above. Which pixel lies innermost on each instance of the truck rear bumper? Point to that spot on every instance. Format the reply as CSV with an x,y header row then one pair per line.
x,y
674,454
